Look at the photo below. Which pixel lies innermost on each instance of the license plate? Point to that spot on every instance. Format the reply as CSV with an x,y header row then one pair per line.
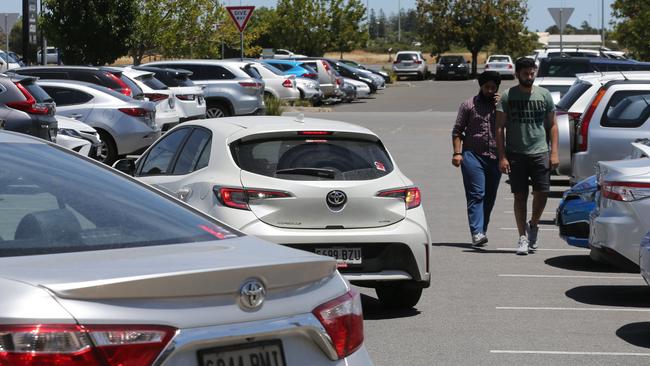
x,y
342,255
451,72
251,354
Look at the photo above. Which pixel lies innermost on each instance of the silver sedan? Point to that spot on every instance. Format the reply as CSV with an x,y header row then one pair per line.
x,y
139,278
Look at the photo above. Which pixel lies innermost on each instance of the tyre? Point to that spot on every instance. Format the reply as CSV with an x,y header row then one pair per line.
x,y
107,150
399,295
217,110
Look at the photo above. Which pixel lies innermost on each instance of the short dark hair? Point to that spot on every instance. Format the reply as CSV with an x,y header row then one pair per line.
x,y
524,63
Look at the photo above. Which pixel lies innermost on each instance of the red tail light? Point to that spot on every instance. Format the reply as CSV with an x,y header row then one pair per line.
x,y
309,75
510,66
123,89
411,196
249,85
72,345
314,133
186,96
240,198
342,318
417,62
584,124
487,66
625,191
135,112
339,81
156,97
327,66
29,105
287,83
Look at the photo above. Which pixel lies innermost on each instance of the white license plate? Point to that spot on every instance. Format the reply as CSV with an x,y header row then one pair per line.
x,y
253,354
451,72
342,255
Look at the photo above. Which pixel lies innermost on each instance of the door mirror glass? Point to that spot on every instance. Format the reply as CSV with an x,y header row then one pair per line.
x,y
126,166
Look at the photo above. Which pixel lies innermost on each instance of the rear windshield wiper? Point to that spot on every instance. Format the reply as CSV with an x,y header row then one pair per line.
x,y
316,172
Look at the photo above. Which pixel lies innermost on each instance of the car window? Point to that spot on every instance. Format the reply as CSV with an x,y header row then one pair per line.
x,y
283,67
499,59
407,57
574,93
44,211
557,88
152,82
89,77
251,71
191,154
452,60
562,69
45,74
37,92
64,96
203,72
627,109
273,69
159,159
311,65
136,91
313,158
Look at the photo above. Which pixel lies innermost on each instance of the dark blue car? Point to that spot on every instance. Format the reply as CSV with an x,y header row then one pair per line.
x,y
573,212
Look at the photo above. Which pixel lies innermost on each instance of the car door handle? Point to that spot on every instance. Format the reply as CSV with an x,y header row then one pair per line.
x,y
183,193
76,115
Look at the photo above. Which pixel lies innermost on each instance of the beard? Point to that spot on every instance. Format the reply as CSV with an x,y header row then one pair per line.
x,y
526,83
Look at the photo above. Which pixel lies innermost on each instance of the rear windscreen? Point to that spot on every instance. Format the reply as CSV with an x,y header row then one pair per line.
x,y
37,92
152,82
452,60
250,71
562,89
313,158
563,69
407,57
499,59
573,94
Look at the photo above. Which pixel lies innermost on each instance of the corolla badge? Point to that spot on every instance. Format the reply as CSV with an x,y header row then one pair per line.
x,y
252,294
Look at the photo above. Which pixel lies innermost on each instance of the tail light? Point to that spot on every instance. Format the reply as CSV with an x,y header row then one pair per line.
x,y
309,75
72,345
410,195
240,198
156,97
314,133
327,66
625,191
29,105
417,62
123,88
135,112
287,83
342,318
250,85
510,66
487,66
584,124
186,96
339,81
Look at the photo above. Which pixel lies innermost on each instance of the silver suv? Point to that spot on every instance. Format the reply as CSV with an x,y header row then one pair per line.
x,y
232,88
410,63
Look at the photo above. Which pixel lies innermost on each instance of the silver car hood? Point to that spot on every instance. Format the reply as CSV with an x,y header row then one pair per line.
x,y
194,269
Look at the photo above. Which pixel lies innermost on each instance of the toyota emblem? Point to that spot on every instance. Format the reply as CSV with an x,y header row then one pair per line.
x,y
336,199
252,294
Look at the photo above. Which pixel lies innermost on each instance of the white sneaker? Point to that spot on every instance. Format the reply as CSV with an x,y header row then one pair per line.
x,y
479,240
522,246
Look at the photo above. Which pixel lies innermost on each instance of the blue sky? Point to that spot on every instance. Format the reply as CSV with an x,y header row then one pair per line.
x,y
539,18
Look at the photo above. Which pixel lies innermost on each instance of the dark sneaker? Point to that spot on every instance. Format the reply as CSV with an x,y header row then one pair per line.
x,y
531,232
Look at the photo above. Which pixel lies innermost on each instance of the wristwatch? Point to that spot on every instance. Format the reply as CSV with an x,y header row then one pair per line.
x,y
457,154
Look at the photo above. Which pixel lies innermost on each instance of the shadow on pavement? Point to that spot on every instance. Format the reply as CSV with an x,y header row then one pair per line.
x,y
637,334
470,249
581,263
612,295
373,310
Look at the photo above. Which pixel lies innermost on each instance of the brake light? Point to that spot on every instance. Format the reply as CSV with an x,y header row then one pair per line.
x,y
156,97
326,65
487,66
29,105
123,88
186,96
287,83
342,318
240,198
135,112
72,345
625,191
510,66
584,125
411,196
417,62
309,75
314,133
249,85
339,81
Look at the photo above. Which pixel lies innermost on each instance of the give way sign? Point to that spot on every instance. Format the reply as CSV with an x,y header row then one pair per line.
x,y
240,15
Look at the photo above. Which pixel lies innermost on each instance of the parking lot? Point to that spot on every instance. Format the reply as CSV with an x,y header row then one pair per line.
x,y
491,307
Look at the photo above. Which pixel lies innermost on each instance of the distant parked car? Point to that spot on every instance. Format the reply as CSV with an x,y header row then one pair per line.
x,y
70,136
292,67
322,186
357,65
330,82
7,62
502,64
286,54
17,58
363,90
410,63
52,56
125,125
570,67
310,90
231,88
452,67
374,81
26,108
276,84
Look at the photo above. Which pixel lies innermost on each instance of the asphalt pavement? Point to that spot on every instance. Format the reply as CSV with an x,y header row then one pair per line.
x,y
491,307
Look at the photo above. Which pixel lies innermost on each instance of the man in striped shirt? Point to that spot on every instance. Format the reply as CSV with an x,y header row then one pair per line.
x,y
475,152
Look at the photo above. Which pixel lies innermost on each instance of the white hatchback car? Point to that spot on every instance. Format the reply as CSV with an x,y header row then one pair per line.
x,y
322,186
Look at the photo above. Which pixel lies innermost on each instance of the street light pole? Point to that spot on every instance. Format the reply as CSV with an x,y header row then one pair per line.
x,y
399,21
602,23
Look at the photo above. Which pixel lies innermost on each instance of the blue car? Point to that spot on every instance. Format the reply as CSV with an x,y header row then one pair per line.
x,y
572,214
289,67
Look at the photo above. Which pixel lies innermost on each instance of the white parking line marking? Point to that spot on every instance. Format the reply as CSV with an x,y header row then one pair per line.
x,y
398,129
540,229
624,310
573,353
550,250
569,276
530,212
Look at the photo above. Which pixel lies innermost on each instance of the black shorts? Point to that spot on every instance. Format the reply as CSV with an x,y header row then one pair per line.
x,y
537,167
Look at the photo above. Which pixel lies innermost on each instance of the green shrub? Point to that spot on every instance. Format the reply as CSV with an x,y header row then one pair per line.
x,y
274,106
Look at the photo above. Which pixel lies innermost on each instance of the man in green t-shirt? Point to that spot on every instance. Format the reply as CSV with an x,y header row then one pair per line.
x,y
525,121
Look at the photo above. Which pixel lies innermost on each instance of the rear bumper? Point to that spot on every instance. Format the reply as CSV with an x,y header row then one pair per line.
x,y
614,230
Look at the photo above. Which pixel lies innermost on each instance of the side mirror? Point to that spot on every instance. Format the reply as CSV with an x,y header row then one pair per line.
x,y
126,166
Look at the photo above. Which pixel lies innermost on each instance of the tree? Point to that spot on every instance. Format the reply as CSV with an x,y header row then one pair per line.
x,y
89,31
568,29
345,25
154,16
302,26
631,19
381,24
435,22
372,24
16,36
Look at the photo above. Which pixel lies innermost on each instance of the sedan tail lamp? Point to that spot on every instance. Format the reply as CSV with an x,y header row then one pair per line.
x,y
156,97
29,105
250,85
123,88
342,318
510,66
625,191
417,62
135,112
186,96
239,198
309,75
584,124
72,345
411,196
287,83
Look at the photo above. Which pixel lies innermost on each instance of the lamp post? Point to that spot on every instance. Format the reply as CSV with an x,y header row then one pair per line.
x,y
399,21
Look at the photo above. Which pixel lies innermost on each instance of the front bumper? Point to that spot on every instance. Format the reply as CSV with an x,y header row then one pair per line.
x,y
572,218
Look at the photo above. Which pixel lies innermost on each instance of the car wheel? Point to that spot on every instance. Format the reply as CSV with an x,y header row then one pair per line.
x,y
106,151
402,295
217,110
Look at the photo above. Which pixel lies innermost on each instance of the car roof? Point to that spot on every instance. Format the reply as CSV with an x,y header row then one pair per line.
x,y
555,81
613,75
15,137
134,73
60,68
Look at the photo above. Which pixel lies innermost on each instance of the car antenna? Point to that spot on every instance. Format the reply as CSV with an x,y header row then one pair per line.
x,y
624,77
597,70
300,118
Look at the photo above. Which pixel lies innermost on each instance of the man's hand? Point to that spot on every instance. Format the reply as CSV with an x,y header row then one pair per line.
x,y
504,165
457,160
497,99
555,160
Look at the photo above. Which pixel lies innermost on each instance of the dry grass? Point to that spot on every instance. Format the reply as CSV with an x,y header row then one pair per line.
x,y
382,58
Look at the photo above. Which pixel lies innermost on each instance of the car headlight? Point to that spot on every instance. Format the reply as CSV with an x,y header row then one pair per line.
x,y
70,132
365,80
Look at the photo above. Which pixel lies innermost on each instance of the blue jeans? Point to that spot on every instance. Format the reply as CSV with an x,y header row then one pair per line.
x,y
481,177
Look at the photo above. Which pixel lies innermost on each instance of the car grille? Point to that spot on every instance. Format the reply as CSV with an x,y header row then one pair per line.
x,y
576,230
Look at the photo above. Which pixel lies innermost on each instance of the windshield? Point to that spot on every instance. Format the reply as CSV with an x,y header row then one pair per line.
x,y
49,204
576,90
314,158
272,69
452,60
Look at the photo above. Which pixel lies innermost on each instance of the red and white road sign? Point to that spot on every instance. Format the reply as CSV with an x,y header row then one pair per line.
x,y
240,15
